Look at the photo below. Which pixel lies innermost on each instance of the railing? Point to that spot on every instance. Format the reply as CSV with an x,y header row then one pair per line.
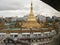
x,y
1,41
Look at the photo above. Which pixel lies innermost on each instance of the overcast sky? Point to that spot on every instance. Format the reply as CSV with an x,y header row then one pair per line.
x,y
22,7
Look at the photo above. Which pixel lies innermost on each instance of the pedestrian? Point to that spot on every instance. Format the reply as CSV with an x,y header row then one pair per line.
x,y
6,42
15,41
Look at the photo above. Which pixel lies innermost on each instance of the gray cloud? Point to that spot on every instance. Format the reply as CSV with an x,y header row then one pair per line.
x,y
12,4
22,7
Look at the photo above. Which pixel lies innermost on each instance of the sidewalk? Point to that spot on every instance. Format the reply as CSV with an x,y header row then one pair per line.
x,y
8,44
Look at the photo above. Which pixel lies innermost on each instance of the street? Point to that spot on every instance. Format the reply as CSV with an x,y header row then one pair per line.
x,y
9,44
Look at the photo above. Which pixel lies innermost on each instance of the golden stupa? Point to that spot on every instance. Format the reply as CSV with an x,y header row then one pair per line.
x,y
31,20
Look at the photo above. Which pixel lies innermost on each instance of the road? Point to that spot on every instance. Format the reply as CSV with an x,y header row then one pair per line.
x,y
9,44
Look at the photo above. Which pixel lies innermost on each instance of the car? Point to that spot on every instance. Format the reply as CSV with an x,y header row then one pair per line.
x,y
8,40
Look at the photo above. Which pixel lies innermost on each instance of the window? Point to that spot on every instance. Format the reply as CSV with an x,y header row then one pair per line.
x,y
0,35
28,35
39,34
11,36
35,35
46,34
23,35
15,35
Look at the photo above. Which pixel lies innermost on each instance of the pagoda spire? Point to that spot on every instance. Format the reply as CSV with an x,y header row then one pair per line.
x,y
31,16
31,7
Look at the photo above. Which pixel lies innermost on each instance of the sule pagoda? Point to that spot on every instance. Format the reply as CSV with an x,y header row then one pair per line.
x,y
31,21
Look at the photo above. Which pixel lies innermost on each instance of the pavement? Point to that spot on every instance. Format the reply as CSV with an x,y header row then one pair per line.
x,y
9,44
